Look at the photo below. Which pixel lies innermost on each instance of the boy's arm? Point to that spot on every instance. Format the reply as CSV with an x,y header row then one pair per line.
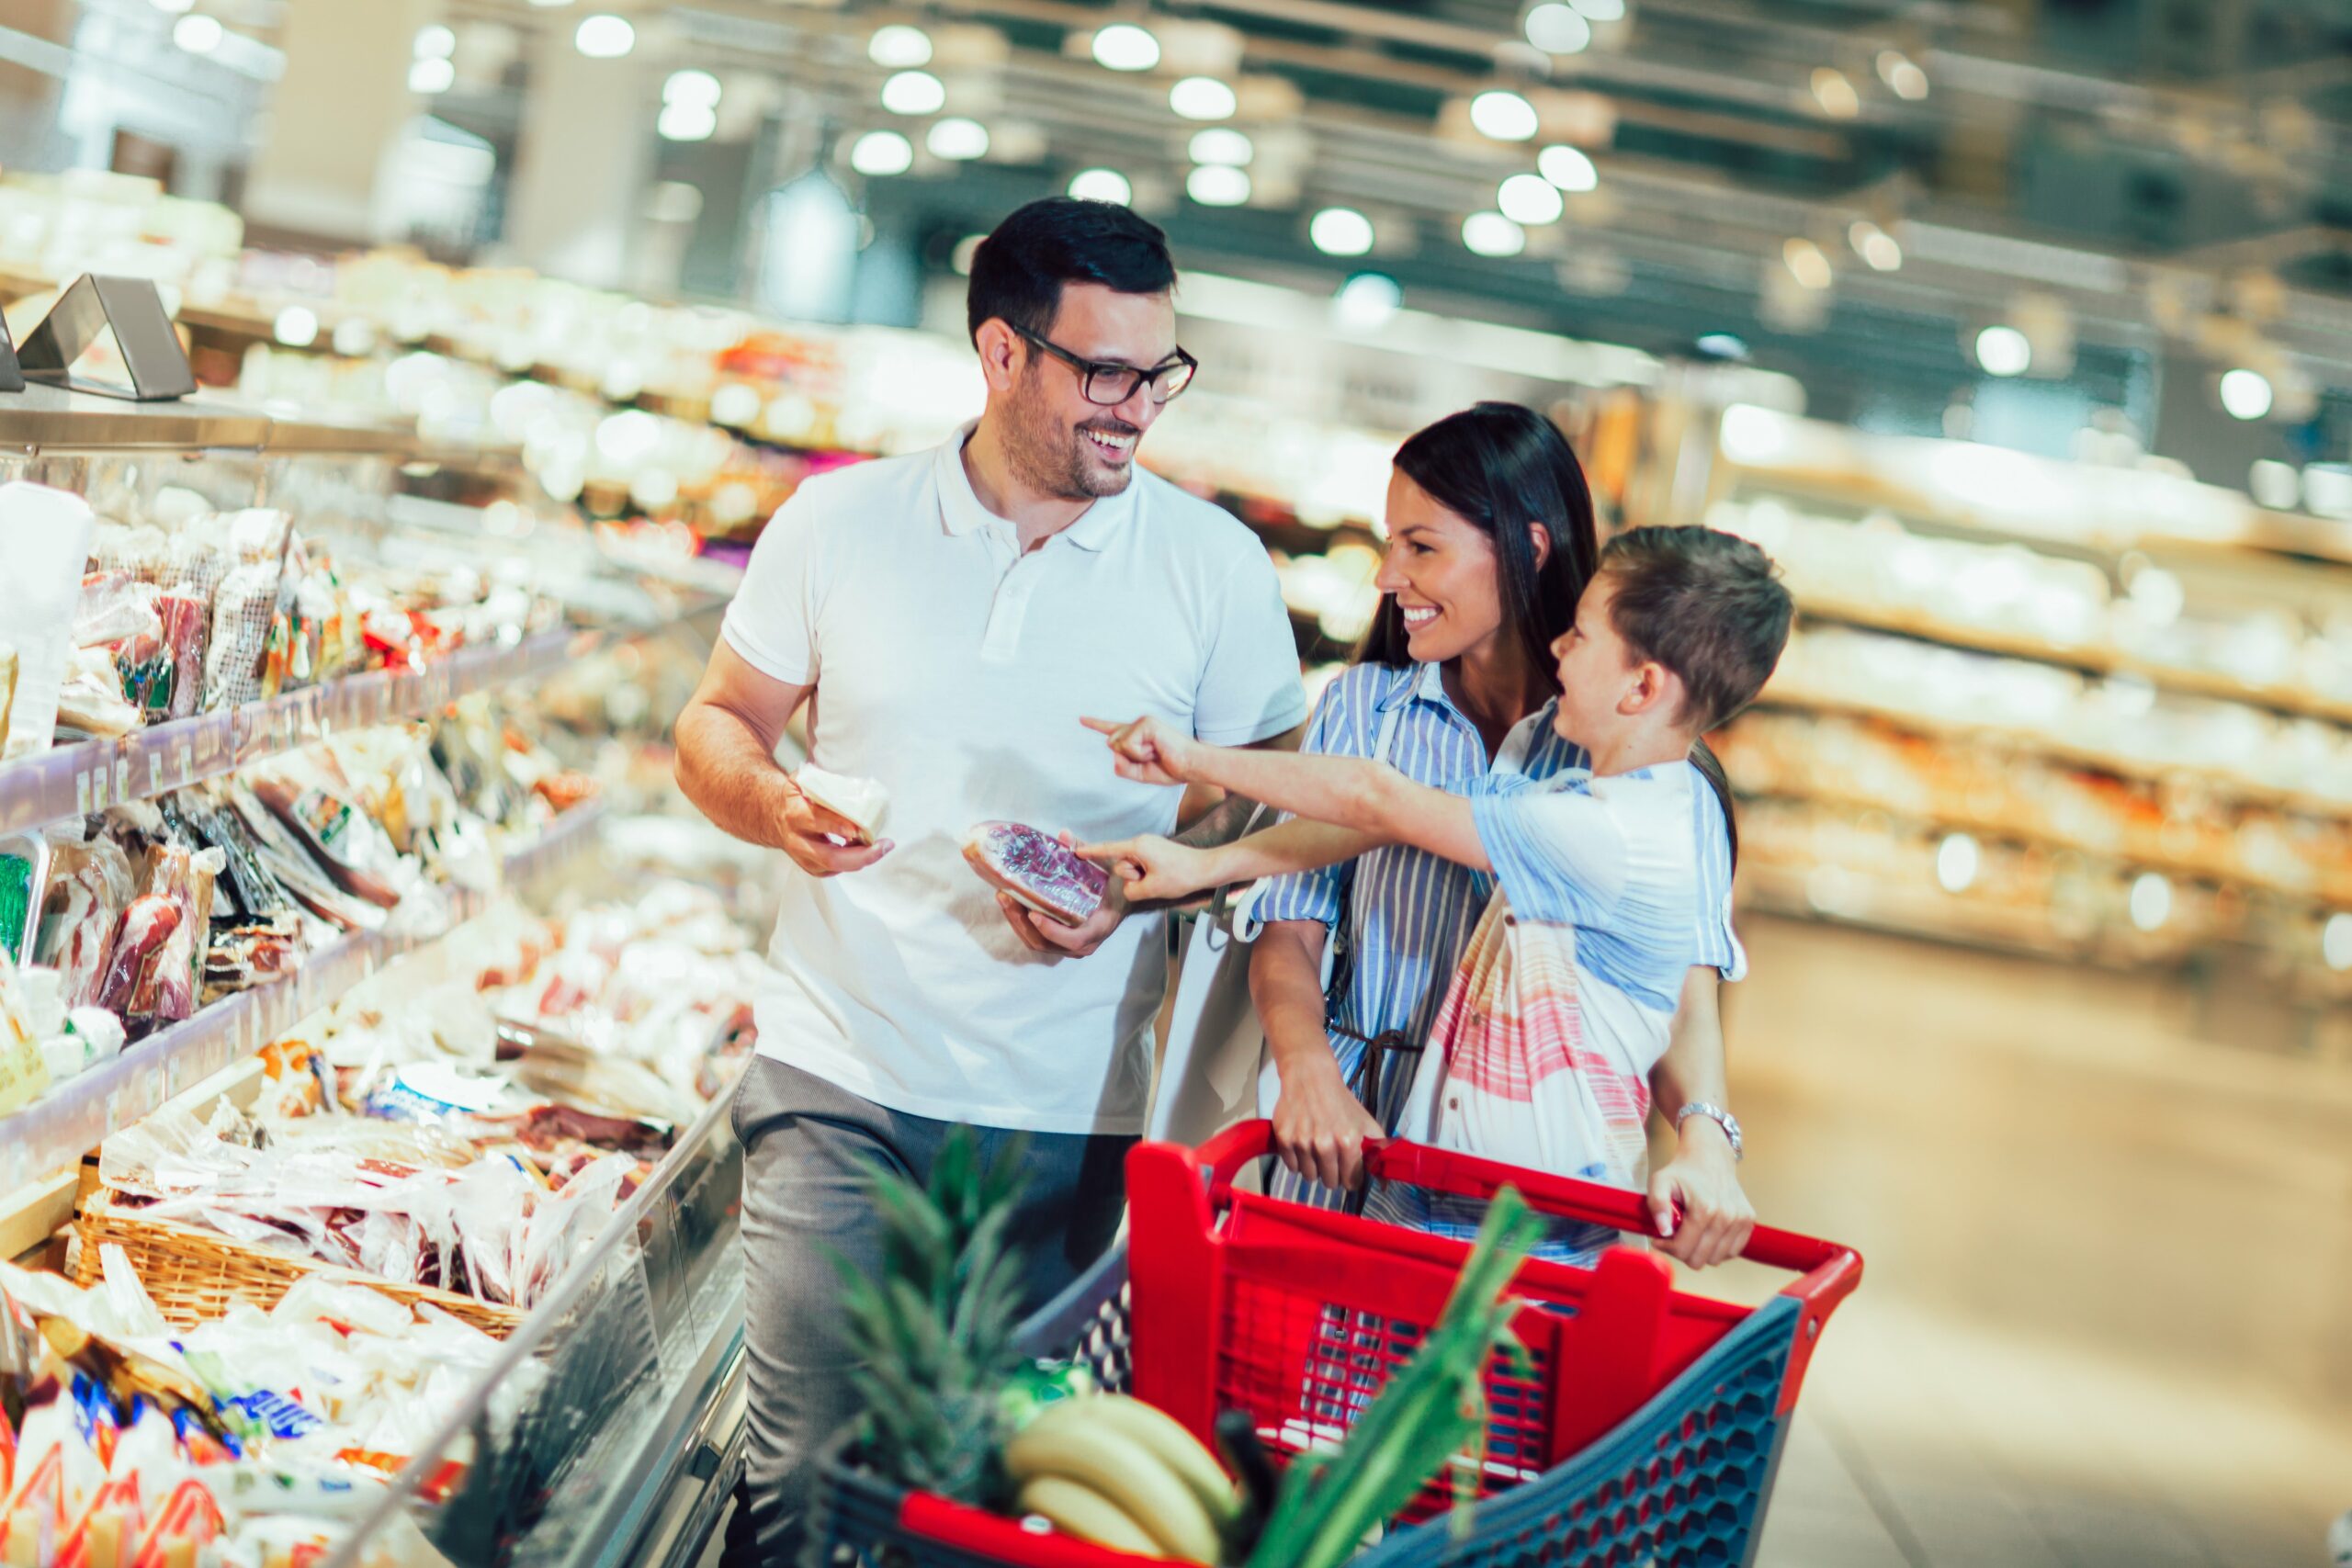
x,y
1158,870
1703,1175
1371,799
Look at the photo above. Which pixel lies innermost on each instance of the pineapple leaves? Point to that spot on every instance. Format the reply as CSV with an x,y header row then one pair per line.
x,y
933,1329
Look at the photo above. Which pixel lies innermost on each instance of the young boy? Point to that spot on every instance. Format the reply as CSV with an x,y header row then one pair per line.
x,y
1542,1053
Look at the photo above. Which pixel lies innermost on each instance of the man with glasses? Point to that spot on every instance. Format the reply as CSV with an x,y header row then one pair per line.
x,y
949,616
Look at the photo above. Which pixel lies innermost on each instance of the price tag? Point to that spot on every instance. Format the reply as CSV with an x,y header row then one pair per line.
x,y
82,807
122,778
154,771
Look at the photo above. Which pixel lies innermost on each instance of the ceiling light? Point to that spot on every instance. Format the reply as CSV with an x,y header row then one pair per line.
x,y
1229,148
1568,168
431,76
687,121
1341,231
297,326
1367,301
914,91
691,87
1217,184
1492,234
1504,116
1101,184
197,35
899,47
1530,199
2003,351
548,4
966,249
1602,10
605,36
2245,394
1806,263
1835,94
2151,901
1203,98
1722,345
1897,71
1123,46
1956,862
436,43
958,140
2336,941
175,8
1874,245
882,153
1558,29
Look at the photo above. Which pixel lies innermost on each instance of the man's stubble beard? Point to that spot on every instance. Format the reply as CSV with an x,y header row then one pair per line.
x,y
1049,458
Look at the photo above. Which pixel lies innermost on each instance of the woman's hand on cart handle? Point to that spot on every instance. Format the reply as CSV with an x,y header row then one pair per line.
x,y
1701,1213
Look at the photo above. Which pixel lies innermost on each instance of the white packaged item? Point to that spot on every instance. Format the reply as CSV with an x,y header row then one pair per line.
x,y
861,801
44,542
100,1031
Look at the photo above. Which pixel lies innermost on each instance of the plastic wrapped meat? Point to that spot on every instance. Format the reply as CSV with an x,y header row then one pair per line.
x,y
90,701
251,893
1037,869
90,885
292,867
186,623
243,609
338,836
114,606
137,949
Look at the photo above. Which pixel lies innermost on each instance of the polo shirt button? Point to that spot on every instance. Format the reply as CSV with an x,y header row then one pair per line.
x,y
1511,919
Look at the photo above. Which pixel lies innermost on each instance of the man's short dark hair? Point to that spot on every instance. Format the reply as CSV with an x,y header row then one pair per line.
x,y
1707,605
1018,272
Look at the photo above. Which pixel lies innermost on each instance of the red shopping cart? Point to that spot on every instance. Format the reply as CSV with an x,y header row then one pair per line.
x,y
1644,1425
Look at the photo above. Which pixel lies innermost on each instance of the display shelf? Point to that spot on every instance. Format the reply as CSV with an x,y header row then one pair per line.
x,y
2091,657
1879,905
73,781
639,1346
79,1114
43,419
2222,780
2328,894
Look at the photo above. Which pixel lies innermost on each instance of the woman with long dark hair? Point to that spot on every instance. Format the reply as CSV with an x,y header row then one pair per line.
x,y
1492,541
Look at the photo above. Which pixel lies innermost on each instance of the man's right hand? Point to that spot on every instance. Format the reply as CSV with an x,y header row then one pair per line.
x,y
809,833
1320,1126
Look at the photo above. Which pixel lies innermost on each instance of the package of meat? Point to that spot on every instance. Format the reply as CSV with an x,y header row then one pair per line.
x,y
187,624
339,836
1037,869
292,868
90,885
90,704
114,606
136,948
23,1073
242,611
249,894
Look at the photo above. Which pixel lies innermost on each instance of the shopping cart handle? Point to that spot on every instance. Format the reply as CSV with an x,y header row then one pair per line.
x,y
1446,1171
1230,1152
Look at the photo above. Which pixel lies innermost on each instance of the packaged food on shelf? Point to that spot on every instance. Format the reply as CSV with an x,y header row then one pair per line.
x,y
44,544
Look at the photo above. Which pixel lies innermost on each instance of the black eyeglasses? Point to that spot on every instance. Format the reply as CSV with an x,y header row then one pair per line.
x,y
1107,384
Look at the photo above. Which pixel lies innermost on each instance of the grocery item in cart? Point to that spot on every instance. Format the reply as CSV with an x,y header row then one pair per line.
x,y
1037,869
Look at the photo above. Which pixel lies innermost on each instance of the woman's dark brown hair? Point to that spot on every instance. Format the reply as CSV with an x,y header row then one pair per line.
x,y
1499,466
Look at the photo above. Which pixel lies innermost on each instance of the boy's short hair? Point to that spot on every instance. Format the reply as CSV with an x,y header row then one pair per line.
x,y
1019,270
1707,605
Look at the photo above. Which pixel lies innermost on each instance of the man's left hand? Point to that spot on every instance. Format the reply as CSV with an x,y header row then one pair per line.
x,y
1042,933
1703,1178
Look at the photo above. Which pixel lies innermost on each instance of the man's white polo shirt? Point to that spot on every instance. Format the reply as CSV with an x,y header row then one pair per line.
x,y
954,670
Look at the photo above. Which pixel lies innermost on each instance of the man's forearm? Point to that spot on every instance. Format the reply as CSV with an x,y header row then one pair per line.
x,y
732,778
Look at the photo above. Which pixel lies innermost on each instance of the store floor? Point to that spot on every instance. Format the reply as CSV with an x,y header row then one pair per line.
x,y
2108,1312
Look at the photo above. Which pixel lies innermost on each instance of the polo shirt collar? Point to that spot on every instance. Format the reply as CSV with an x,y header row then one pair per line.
x,y
960,508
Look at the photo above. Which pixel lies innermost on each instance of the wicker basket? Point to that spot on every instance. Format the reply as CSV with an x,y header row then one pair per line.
x,y
194,1274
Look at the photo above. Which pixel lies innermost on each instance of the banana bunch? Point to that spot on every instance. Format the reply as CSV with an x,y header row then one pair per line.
x,y
1116,1471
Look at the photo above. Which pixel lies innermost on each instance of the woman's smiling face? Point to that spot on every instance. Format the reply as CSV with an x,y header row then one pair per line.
x,y
1442,569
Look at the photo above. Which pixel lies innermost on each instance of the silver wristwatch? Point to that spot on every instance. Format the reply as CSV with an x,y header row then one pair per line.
x,y
1721,1117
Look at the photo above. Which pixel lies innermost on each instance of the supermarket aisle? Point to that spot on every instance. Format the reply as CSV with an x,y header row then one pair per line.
x,y
2108,1318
